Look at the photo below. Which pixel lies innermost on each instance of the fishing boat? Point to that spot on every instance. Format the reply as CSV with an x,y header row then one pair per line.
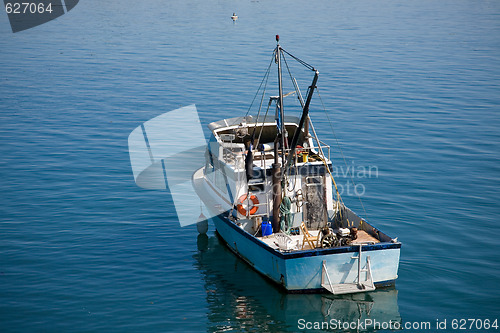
x,y
268,183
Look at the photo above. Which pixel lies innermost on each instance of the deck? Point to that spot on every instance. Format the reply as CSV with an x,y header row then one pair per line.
x,y
363,238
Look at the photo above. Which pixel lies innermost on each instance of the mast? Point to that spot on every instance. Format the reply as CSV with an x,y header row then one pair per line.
x,y
280,100
276,171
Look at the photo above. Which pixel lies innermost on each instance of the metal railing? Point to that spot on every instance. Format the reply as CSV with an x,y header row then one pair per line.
x,y
234,155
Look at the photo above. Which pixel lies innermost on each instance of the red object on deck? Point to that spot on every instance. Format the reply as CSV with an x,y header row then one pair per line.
x,y
277,38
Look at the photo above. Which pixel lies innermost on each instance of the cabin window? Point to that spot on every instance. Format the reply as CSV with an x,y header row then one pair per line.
x,y
220,181
213,147
209,167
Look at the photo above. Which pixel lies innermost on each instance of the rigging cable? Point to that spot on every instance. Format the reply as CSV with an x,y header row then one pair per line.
x,y
263,123
299,60
296,87
265,75
260,108
341,152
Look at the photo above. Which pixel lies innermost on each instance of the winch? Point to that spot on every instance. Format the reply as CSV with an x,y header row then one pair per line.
x,y
338,237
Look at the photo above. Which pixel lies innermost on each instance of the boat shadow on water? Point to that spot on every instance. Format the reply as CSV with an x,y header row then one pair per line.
x,y
240,299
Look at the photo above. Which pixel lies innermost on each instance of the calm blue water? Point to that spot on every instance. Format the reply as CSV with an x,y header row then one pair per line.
x,y
413,89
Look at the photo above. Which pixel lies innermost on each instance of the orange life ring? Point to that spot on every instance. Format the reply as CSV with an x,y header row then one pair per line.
x,y
254,208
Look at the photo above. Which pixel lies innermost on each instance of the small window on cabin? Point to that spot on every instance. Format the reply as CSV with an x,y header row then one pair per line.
x,y
213,146
220,181
209,167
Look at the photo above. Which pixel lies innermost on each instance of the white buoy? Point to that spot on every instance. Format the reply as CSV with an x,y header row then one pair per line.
x,y
234,17
202,224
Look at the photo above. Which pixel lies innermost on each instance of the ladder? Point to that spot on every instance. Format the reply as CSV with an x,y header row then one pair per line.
x,y
348,288
263,182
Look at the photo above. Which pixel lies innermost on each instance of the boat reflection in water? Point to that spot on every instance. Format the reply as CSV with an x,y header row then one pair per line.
x,y
241,299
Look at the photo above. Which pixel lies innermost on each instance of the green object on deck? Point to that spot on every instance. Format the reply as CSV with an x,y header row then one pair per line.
x,y
286,215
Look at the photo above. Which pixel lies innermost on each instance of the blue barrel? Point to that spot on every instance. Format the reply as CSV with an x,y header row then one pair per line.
x,y
267,228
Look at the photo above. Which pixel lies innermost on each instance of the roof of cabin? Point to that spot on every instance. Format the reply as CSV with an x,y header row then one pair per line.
x,y
249,120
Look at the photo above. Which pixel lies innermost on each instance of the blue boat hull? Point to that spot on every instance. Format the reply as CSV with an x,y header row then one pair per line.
x,y
300,271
